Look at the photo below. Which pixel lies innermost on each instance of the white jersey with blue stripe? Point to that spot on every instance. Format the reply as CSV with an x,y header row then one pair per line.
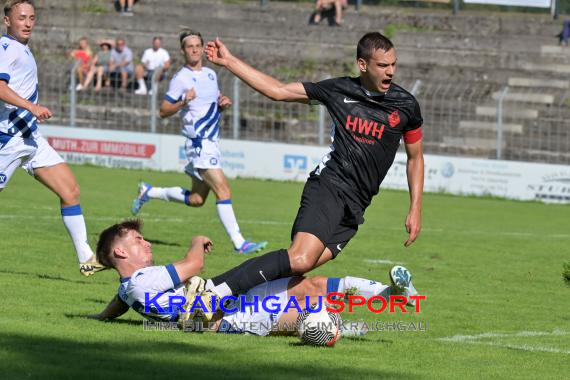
x,y
18,69
200,117
144,285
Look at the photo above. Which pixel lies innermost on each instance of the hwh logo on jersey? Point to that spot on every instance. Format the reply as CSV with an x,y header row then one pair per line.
x,y
364,127
5,46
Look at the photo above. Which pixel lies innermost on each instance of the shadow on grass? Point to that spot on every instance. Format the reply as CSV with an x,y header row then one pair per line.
x,y
122,321
48,277
69,358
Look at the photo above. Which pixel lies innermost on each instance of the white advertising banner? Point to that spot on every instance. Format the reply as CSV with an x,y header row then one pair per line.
x,y
515,3
454,175
470,176
104,147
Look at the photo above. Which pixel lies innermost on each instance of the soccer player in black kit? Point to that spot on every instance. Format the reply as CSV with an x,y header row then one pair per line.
x,y
371,114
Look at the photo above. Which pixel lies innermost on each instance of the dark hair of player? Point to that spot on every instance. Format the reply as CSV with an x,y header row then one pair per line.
x,y
12,3
110,235
187,33
371,42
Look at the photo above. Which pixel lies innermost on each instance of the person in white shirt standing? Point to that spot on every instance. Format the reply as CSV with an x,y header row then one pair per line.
x,y
193,92
155,59
21,144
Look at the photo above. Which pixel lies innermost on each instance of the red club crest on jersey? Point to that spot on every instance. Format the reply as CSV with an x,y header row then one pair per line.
x,y
394,119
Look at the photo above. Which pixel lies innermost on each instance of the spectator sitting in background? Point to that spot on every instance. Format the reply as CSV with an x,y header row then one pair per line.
x,y
100,67
121,63
326,5
125,7
154,59
83,54
565,33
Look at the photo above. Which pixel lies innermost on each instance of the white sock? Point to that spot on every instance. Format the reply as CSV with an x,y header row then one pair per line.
x,y
228,218
364,287
142,85
222,290
75,224
170,194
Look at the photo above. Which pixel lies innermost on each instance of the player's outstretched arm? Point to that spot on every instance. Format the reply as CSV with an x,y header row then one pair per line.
x,y
415,173
7,95
193,263
114,309
218,53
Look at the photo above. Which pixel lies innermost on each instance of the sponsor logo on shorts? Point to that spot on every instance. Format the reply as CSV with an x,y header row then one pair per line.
x,y
213,161
3,178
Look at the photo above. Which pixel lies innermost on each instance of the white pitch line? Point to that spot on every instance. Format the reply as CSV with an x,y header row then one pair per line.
x,y
461,338
373,261
524,347
290,223
476,339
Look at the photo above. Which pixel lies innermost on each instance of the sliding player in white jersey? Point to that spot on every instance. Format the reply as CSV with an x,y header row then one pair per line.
x,y
149,289
21,144
194,94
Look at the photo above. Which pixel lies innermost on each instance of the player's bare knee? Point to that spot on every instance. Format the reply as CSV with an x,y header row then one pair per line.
x,y
223,193
196,200
301,262
70,195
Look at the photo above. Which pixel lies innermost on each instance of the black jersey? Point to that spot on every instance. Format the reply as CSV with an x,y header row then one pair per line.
x,y
366,133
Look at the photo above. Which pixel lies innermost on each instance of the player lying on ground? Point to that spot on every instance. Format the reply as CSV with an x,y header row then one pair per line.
x,y
123,248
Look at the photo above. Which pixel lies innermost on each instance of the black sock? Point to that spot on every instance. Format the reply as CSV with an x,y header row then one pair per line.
x,y
271,266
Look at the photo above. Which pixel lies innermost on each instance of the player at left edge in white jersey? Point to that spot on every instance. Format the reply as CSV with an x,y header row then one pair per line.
x,y
21,144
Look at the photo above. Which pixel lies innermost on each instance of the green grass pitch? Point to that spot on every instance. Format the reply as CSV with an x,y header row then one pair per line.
x,y
497,306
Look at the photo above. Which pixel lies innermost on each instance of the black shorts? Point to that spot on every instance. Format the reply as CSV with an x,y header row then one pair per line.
x,y
325,213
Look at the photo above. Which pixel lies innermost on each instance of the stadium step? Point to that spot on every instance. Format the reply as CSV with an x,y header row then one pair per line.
x,y
542,67
525,97
489,126
533,82
507,111
554,49
472,142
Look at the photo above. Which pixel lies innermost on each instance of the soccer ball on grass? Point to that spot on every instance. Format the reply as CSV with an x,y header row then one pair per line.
x,y
320,328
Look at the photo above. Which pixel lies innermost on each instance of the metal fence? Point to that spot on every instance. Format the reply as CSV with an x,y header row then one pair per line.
x,y
521,120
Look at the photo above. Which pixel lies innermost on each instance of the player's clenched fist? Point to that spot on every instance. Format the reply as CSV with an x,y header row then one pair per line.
x,y
40,112
190,95
224,102
203,241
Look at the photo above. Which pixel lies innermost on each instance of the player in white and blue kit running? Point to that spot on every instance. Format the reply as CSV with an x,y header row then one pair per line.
x,y
21,144
194,94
